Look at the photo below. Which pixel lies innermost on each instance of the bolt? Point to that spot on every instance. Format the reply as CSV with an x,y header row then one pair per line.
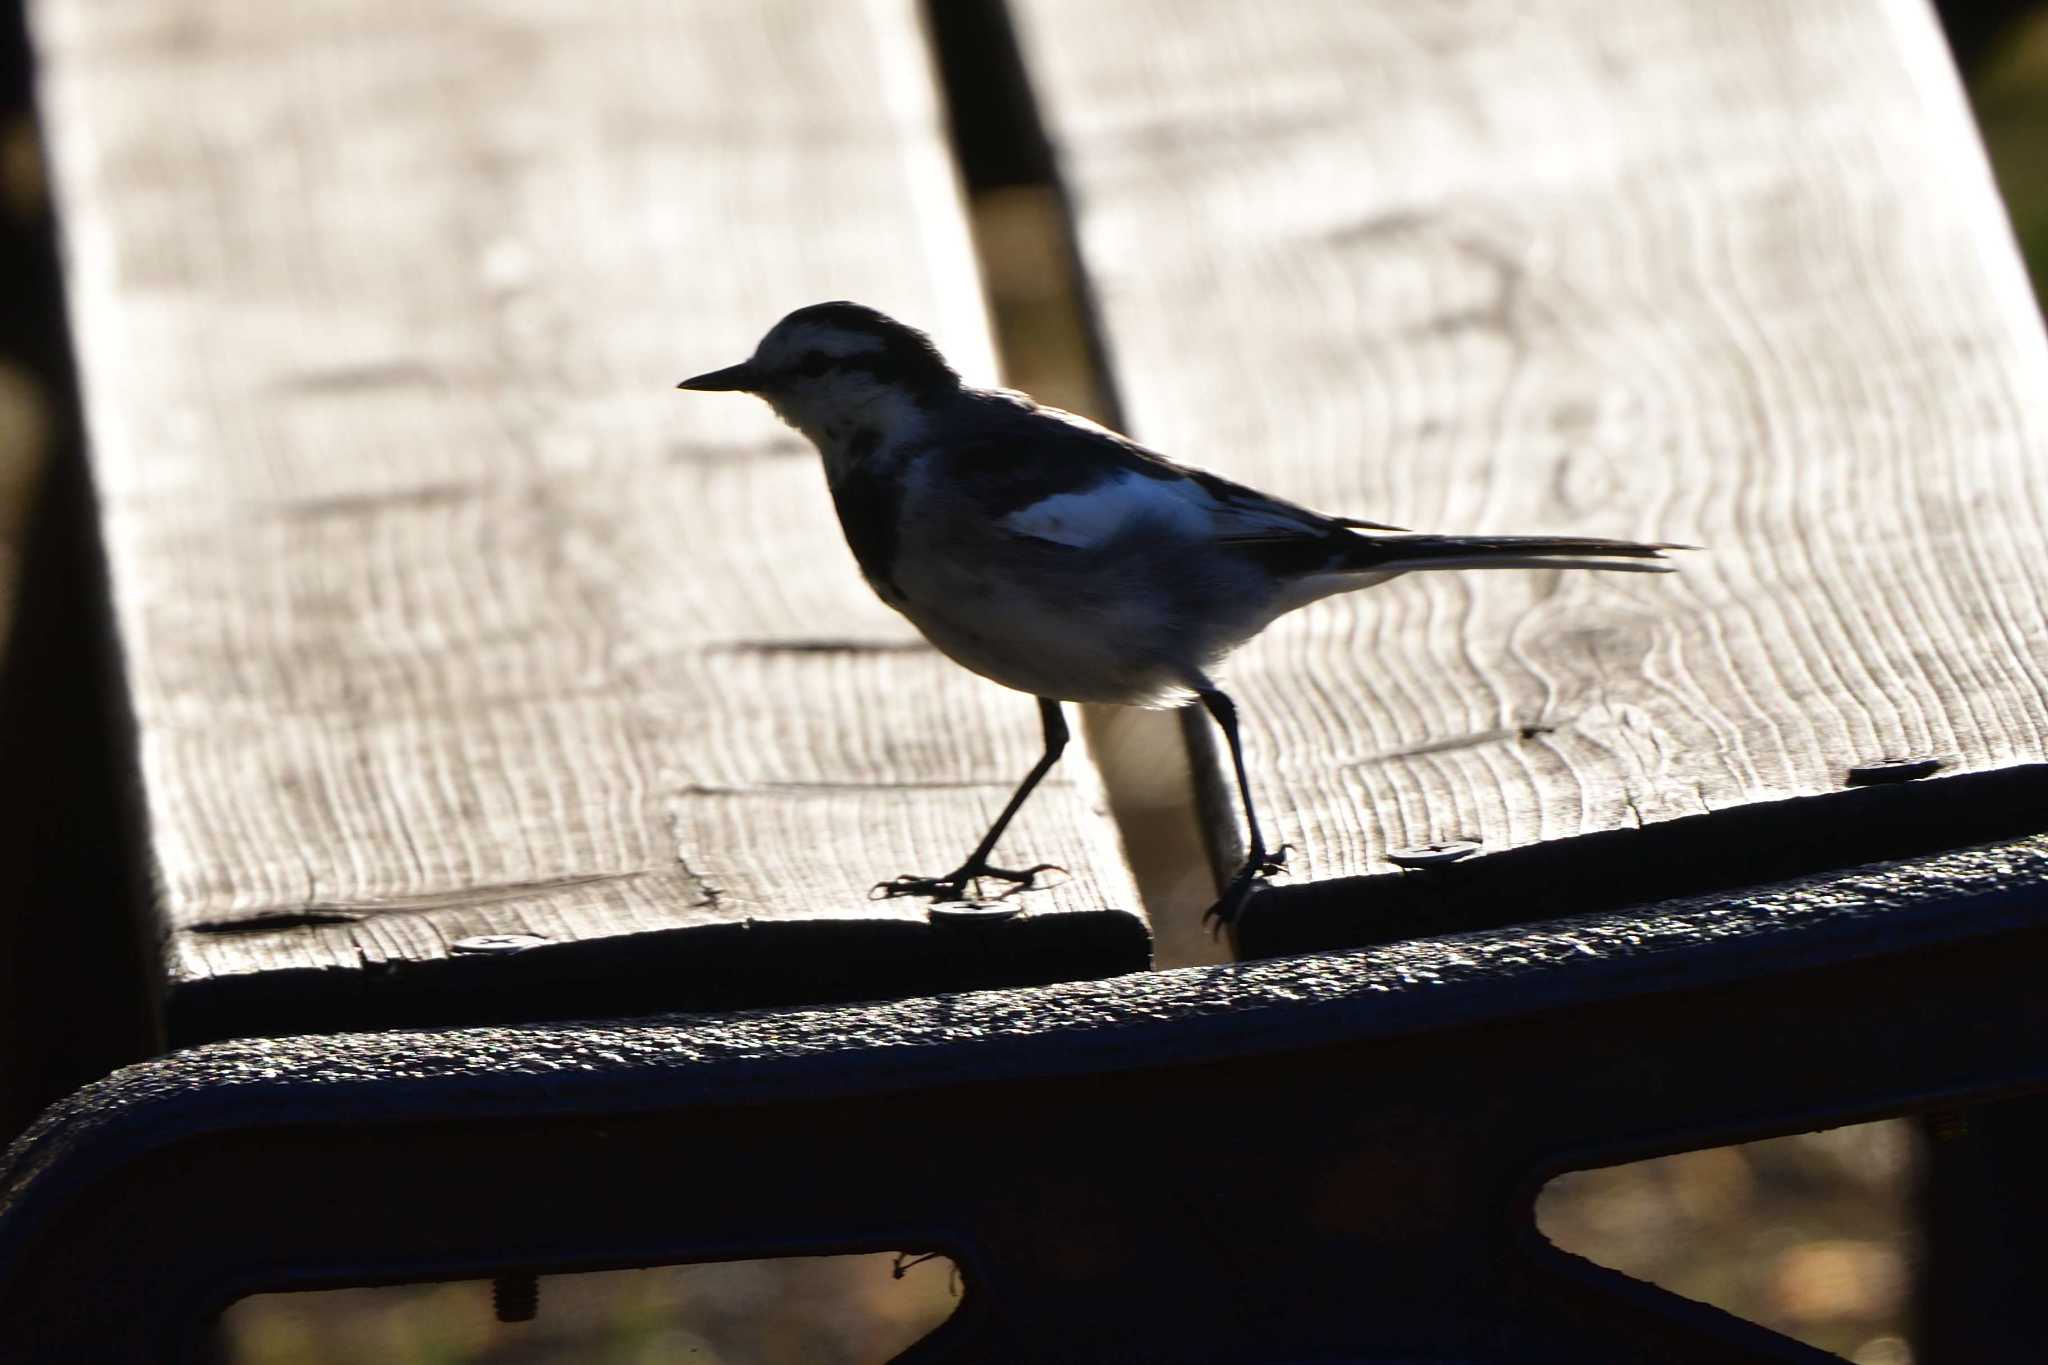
x,y
515,1298
497,943
1433,855
1891,770
972,912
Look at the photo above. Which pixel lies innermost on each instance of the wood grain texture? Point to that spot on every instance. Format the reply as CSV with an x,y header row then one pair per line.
x,y
444,614
1727,273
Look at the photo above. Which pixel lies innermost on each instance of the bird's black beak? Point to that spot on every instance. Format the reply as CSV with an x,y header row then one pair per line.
x,y
738,378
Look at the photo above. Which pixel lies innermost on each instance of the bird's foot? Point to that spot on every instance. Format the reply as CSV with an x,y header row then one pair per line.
x,y
1265,864
963,883
1259,865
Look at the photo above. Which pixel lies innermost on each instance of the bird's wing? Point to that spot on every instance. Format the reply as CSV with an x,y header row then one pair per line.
x,y
1050,476
1361,524
1245,515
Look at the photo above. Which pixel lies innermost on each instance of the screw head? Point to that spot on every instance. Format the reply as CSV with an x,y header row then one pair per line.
x,y
972,912
1433,855
1891,770
497,943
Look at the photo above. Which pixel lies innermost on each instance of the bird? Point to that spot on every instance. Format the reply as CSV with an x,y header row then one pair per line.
x,y
1056,557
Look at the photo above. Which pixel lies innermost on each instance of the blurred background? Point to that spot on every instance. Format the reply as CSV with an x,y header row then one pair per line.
x,y
1811,1235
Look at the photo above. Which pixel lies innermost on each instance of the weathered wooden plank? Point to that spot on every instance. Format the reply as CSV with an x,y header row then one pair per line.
x,y
444,616
1713,272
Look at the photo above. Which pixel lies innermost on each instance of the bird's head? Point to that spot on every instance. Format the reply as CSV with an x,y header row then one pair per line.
x,y
834,367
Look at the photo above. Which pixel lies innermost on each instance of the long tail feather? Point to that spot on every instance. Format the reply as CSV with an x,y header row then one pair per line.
x,y
1403,554
1659,565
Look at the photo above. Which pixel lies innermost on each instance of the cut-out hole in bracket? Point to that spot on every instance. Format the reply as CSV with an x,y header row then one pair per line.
x,y
1807,1235
833,1310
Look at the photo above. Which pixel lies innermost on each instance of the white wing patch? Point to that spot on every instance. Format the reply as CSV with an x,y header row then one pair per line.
x,y
1095,516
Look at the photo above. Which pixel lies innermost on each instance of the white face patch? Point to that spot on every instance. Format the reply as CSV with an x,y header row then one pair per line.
x,y
1095,516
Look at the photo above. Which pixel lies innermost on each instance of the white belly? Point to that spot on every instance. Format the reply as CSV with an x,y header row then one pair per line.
x,y
1051,654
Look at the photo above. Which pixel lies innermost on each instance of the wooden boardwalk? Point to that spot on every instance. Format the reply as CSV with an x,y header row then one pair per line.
x,y
1732,274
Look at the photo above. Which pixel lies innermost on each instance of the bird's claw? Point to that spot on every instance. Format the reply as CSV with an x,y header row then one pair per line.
x,y
1269,864
957,884
948,888
1026,880
1260,864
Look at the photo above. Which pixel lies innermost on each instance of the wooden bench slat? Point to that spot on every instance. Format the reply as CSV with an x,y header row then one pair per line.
x,y
444,615
1725,273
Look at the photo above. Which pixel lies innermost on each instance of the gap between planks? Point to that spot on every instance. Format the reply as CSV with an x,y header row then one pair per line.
x,y
1045,337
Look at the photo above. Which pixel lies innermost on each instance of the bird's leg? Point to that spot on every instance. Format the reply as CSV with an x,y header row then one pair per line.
x,y
955,884
1258,860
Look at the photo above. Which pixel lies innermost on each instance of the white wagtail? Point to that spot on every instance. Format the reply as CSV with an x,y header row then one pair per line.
x,y
1056,557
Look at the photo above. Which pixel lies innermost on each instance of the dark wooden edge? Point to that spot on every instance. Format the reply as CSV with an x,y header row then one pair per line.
x,y
999,138
1355,1138
1721,851
80,969
740,965
992,120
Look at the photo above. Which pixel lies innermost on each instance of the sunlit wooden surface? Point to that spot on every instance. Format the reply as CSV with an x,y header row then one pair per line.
x,y
1731,274
445,617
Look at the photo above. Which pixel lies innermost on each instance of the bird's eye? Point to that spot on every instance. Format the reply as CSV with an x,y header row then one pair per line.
x,y
813,364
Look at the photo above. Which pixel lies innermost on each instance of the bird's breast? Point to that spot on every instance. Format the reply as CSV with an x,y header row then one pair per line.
x,y
868,507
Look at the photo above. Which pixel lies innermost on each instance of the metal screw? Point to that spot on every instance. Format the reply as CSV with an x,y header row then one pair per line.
x,y
1433,855
515,1298
972,912
1891,770
497,943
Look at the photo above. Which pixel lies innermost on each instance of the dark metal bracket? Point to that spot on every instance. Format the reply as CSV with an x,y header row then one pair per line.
x,y
1324,1157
